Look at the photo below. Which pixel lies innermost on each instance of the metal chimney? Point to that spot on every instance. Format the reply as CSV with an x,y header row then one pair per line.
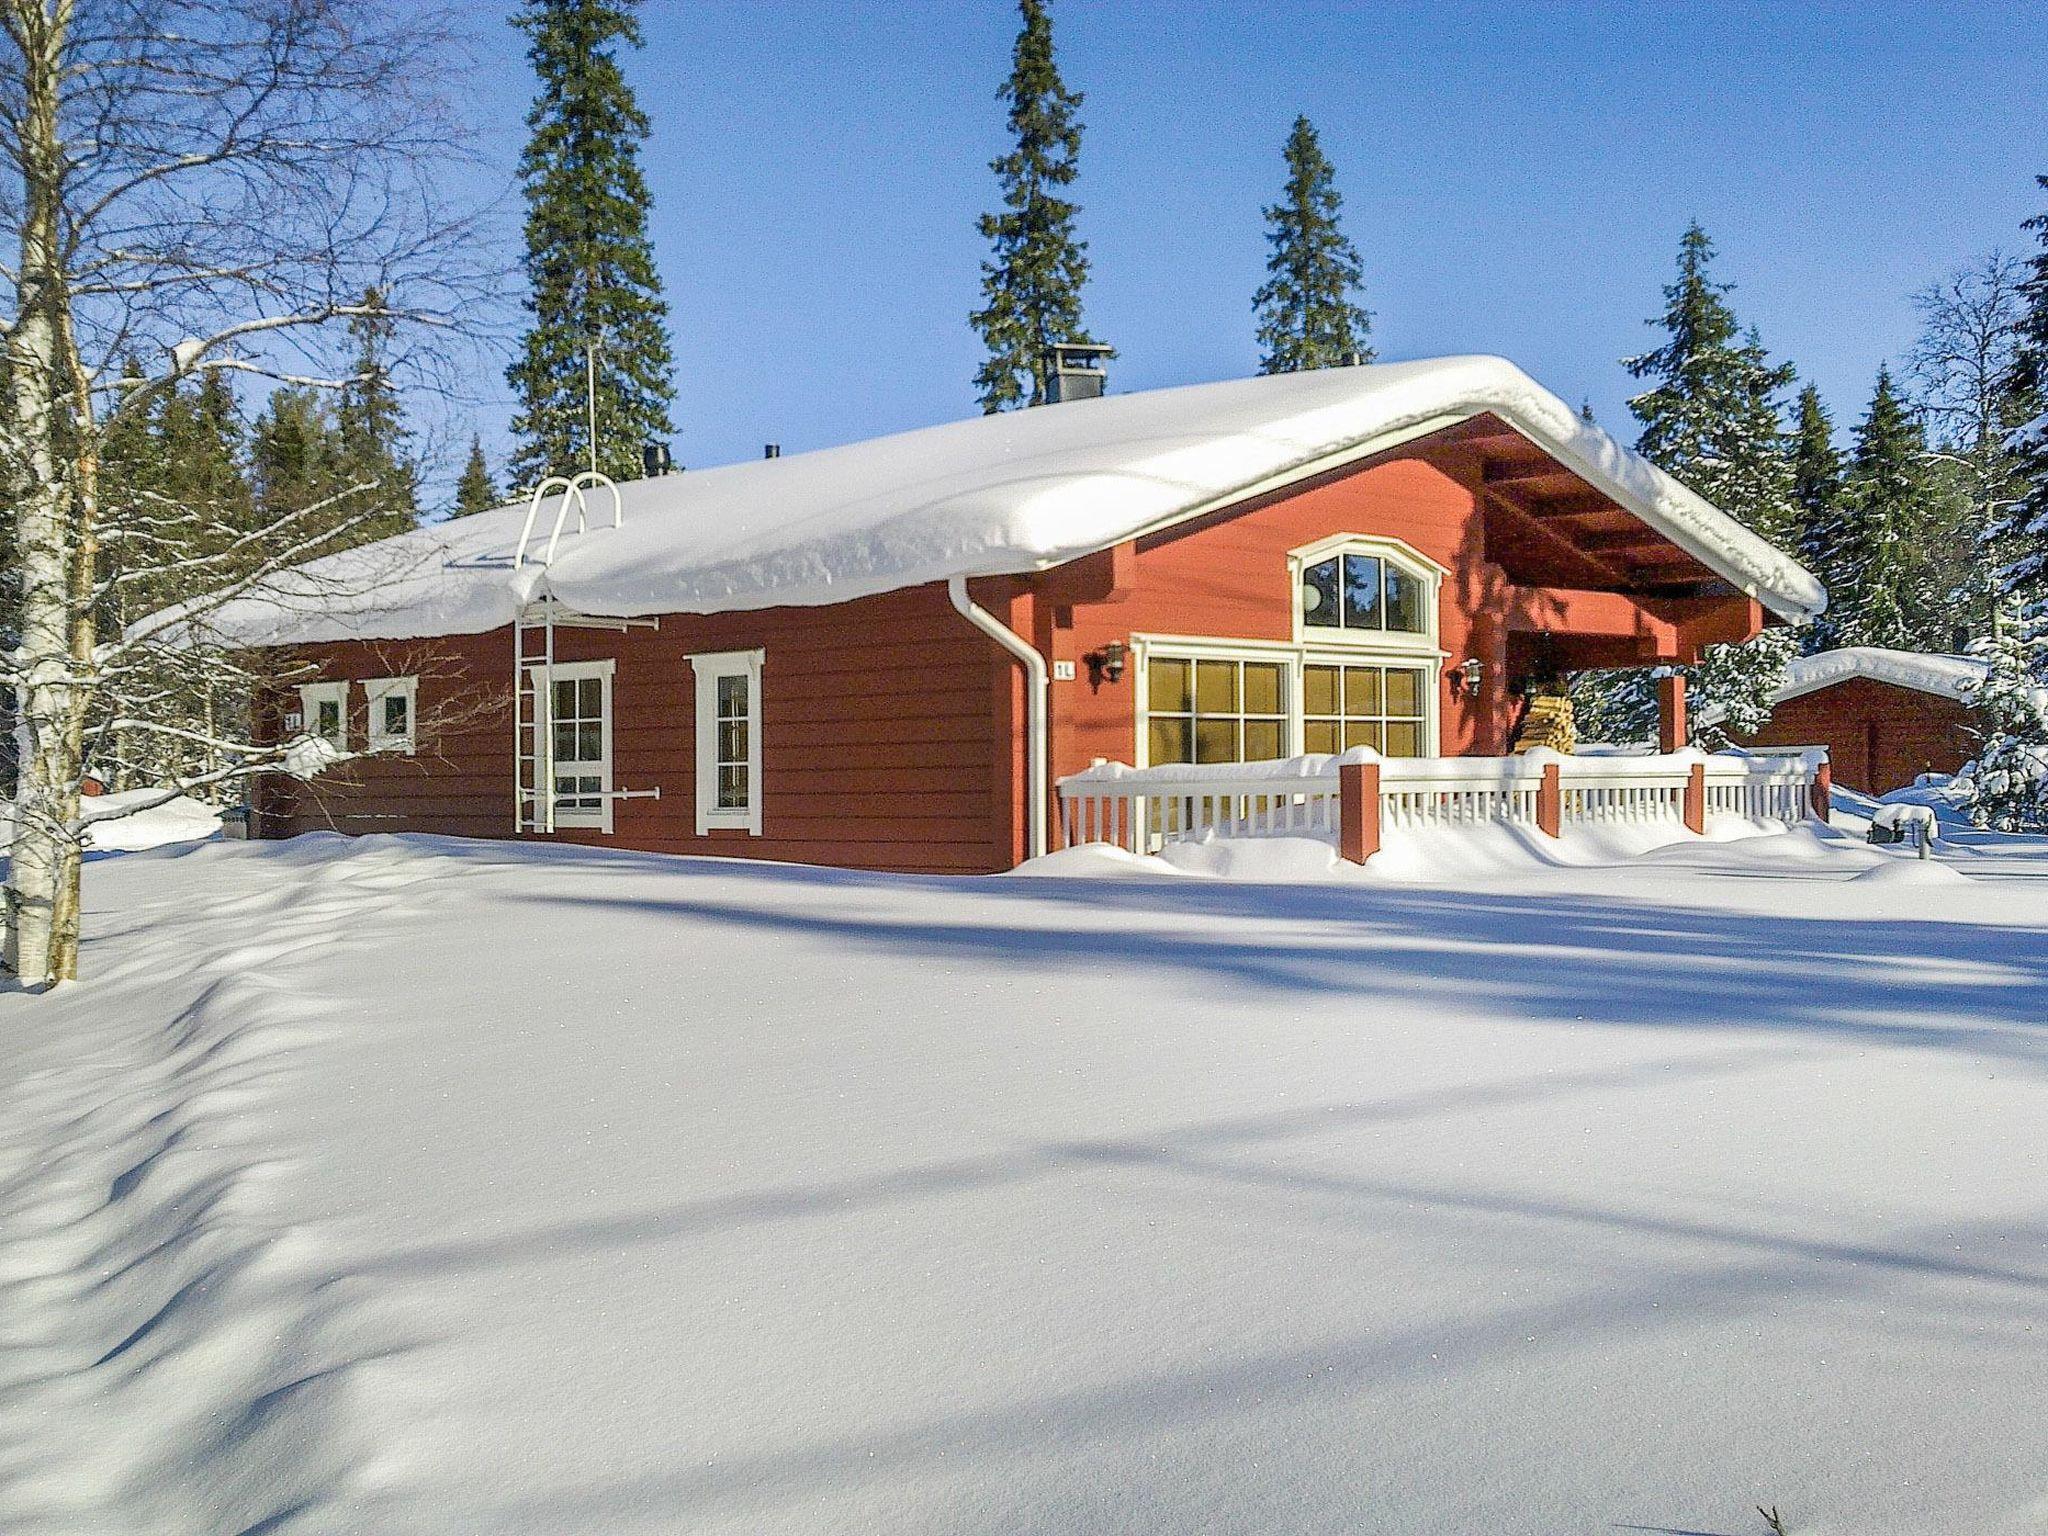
x,y
655,460
771,450
1077,371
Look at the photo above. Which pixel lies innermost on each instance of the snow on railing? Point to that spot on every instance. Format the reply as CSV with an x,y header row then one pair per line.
x,y
1358,794
1139,808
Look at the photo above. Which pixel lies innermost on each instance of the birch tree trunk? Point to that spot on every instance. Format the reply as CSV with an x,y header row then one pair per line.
x,y
46,791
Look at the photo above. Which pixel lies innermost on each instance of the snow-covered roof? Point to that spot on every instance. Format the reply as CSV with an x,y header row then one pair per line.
x,y
993,495
1953,677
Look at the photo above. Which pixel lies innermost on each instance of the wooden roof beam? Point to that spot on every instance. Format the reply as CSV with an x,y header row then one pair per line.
x,y
1517,472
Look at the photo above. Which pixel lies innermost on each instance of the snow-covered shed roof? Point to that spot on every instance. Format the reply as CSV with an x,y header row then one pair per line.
x,y
1952,677
993,495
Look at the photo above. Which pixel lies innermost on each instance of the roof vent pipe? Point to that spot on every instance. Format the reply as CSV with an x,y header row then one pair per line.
x,y
771,450
655,460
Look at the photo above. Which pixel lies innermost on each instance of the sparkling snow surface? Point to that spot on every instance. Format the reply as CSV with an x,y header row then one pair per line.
x,y
993,495
408,1186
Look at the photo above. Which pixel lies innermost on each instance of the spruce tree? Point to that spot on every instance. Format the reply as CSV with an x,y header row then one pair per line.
x,y
1816,494
1031,283
2009,783
589,264
300,467
1893,581
1308,317
371,425
1711,419
476,491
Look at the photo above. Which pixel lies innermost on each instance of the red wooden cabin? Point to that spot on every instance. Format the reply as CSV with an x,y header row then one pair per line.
x,y
1885,716
836,657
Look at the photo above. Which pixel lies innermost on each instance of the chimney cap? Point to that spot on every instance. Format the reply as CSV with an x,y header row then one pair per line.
x,y
1077,371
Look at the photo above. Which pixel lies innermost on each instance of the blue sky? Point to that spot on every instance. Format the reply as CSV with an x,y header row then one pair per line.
x,y
1515,177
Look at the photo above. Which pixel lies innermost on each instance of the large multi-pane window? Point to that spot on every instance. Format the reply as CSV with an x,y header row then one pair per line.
x,y
1346,704
728,740
1361,670
579,741
1205,710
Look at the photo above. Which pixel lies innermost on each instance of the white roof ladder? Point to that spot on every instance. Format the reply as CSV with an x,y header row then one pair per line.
x,y
534,790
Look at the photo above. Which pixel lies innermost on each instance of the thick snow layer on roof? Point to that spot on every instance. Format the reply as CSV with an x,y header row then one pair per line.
x,y
993,495
1952,677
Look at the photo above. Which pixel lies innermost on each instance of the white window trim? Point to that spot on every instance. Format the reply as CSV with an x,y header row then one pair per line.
x,y
377,690
599,820
1393,642
709,667
1209,648
311,697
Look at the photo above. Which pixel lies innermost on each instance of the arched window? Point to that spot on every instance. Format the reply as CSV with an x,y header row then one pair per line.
x,y
1365,590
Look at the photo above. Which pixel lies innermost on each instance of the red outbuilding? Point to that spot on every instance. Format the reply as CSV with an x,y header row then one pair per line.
x,y
883,655
1886,717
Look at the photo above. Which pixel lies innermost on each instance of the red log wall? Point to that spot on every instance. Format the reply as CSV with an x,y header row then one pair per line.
x,y
877,737
1879,737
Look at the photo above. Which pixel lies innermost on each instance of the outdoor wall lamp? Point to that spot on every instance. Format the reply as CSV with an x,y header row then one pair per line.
x,y
1468,677
1108,663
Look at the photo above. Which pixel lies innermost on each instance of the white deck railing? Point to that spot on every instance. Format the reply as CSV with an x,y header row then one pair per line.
x,y
1141,808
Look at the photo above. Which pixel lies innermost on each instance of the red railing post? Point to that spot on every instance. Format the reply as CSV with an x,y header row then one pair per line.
x,y
1696,799
1550,802
1358,811
1823,790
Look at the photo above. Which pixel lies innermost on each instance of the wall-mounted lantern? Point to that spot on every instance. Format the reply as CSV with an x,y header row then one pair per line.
x,y
1107,664
1467,678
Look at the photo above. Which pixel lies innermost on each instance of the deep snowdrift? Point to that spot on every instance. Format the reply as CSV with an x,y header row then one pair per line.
x,y
405,1186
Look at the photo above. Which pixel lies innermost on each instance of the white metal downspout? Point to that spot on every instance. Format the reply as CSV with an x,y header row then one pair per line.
x,y
1034,704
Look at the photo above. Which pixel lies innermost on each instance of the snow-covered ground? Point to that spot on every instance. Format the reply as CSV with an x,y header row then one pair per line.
x,y
404,1185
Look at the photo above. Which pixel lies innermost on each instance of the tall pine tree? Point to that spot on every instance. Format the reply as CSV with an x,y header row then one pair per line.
x,y
1816,494
1710,418
1031,283
1308,314
301,469
475,490
1870,578
589,264
371,425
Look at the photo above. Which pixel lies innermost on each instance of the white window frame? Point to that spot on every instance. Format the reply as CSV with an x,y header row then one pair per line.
x,y
1208,648
709,667
599,820
311,697
1391,642
377,690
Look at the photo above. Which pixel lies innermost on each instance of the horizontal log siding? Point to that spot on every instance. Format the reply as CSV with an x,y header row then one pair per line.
x,y
1879,737
1226,578
878,741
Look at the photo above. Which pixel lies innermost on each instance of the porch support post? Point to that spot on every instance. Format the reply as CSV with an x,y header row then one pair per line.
x,y
1358,811
1696,799
1823,790
1550,802
1671,721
